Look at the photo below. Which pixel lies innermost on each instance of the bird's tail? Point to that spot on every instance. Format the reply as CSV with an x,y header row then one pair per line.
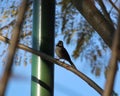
x,y
72,64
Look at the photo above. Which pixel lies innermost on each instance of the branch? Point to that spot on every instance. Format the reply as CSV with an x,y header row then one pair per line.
x,y
104,28
12,48
106,14
113,63
10,23
25,34
114,5
53,60
94,17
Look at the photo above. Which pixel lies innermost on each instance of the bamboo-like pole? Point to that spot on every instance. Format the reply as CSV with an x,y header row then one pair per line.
x,y
43,40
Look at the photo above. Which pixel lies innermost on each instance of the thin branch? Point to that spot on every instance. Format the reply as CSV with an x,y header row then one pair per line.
x,y
106,14
12,48
53,60
23,35
10,23
112,6
111,2
113,63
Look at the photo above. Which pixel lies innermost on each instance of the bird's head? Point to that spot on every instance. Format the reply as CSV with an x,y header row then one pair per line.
x,y
60,43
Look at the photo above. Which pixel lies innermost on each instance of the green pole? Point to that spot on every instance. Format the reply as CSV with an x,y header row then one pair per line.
x,y
43,40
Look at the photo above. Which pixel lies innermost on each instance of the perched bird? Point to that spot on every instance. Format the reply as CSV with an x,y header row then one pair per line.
x,y
62,53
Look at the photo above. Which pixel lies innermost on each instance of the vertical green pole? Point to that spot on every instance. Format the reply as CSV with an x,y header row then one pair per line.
x,y
43,40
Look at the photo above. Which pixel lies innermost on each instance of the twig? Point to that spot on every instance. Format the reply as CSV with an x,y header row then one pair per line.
x,y
53,60
10,23
114,5
12,48
106,14
26,34
113,63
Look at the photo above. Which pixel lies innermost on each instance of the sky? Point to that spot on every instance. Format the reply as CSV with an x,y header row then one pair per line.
x,y
65,84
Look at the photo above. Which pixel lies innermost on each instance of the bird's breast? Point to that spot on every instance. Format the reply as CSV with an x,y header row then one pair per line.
x,y
58,51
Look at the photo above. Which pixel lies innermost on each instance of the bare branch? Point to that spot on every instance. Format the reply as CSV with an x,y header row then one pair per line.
x,y
94,17
62,64
113,63
114,5
10,23
26,34
106,14
12,48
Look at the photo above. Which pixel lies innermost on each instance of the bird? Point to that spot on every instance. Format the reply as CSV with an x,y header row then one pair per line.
x,y
62,53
